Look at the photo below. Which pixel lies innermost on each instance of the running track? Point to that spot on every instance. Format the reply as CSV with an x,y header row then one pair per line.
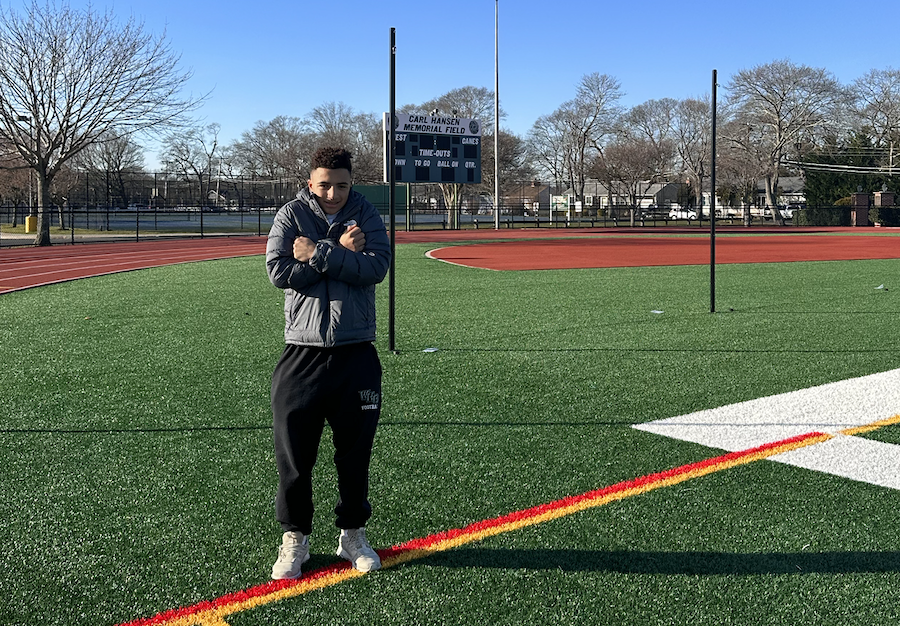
x,y
22,268
642,251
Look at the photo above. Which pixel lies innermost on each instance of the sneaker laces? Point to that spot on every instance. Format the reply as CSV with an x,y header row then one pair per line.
x,y
291,545
354,547
358,541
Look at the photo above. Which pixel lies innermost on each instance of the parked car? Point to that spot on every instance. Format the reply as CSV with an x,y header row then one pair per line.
x,y
652,213
764,212
682,214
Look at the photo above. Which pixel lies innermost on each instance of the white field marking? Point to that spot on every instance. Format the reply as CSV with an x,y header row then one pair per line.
x,y
831,408
430,255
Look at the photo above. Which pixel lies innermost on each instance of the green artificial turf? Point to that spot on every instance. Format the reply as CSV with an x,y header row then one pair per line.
x,y
138,472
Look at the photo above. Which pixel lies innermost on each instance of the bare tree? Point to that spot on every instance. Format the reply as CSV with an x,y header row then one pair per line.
x,y
742,158
275,149
469,102
643,152
68,76
653,122
693,139
63,185
513,161
547,145
635,162
113,161
368,149
590,119
876,108
16,187
577,131
336,124
194,154
787,104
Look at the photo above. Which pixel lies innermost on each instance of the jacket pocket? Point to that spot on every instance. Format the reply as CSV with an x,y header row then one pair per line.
x,y
365,304
303,312
353,310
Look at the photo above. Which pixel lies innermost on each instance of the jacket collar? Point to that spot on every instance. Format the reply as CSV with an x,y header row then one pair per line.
x,y
354,200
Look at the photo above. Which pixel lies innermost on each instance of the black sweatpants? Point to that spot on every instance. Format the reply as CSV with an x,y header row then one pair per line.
x,y
309,387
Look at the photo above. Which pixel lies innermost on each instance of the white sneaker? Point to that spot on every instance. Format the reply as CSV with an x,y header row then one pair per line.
x,y
292,553
353,546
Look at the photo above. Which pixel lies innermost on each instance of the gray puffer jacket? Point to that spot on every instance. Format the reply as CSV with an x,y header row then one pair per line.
x,y
330,300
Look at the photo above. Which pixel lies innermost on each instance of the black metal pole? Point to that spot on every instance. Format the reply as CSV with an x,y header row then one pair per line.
x,y
712,205
392,213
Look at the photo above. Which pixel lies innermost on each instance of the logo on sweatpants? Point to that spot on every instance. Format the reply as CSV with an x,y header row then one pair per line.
x,y
370,399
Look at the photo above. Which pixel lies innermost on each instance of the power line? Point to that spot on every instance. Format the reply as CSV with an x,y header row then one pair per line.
x,y
842,169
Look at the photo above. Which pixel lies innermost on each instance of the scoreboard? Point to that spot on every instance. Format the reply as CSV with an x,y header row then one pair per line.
x,y
433,149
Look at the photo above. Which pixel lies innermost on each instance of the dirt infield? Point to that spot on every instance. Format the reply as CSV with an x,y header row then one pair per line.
x,y
509,249
640,251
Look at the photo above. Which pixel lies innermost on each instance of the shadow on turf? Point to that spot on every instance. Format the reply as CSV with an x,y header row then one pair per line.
x,y
92,431
690,349
686,563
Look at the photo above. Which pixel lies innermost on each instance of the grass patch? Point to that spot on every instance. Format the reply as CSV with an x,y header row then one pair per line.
x,y
139,476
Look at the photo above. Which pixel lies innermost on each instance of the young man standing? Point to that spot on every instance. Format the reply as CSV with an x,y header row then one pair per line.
x,y
327,249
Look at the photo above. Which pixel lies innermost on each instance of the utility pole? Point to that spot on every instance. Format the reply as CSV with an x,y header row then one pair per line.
x,y
496,115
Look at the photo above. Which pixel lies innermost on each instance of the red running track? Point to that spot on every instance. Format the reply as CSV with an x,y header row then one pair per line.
x,y
638,251
21,268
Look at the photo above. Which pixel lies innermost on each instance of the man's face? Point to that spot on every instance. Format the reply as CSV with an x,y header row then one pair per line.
x,y
331,187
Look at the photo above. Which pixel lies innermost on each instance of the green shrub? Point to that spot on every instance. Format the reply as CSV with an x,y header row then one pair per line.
x,y
886,216
831,216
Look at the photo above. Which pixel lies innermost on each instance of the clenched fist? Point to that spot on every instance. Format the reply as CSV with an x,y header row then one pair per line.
x,y
354,239
304,248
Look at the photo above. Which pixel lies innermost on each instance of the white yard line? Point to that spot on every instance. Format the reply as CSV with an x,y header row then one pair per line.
x,y
831,408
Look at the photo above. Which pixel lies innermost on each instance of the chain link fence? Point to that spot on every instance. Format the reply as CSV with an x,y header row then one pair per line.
x,y
119,206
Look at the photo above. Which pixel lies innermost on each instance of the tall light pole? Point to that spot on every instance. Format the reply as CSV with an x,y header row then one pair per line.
x,y
712,204
496,115
392,186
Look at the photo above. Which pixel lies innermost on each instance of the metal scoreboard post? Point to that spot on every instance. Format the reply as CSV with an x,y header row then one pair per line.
x,y
433,149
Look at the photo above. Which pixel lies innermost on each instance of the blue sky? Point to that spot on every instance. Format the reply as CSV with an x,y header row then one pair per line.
x,y
270,57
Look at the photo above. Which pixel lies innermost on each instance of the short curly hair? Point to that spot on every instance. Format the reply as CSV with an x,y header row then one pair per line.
x,y
332,158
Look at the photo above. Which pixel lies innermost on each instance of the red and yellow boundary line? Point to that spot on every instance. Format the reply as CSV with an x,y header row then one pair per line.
x,y
213,613
866,428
